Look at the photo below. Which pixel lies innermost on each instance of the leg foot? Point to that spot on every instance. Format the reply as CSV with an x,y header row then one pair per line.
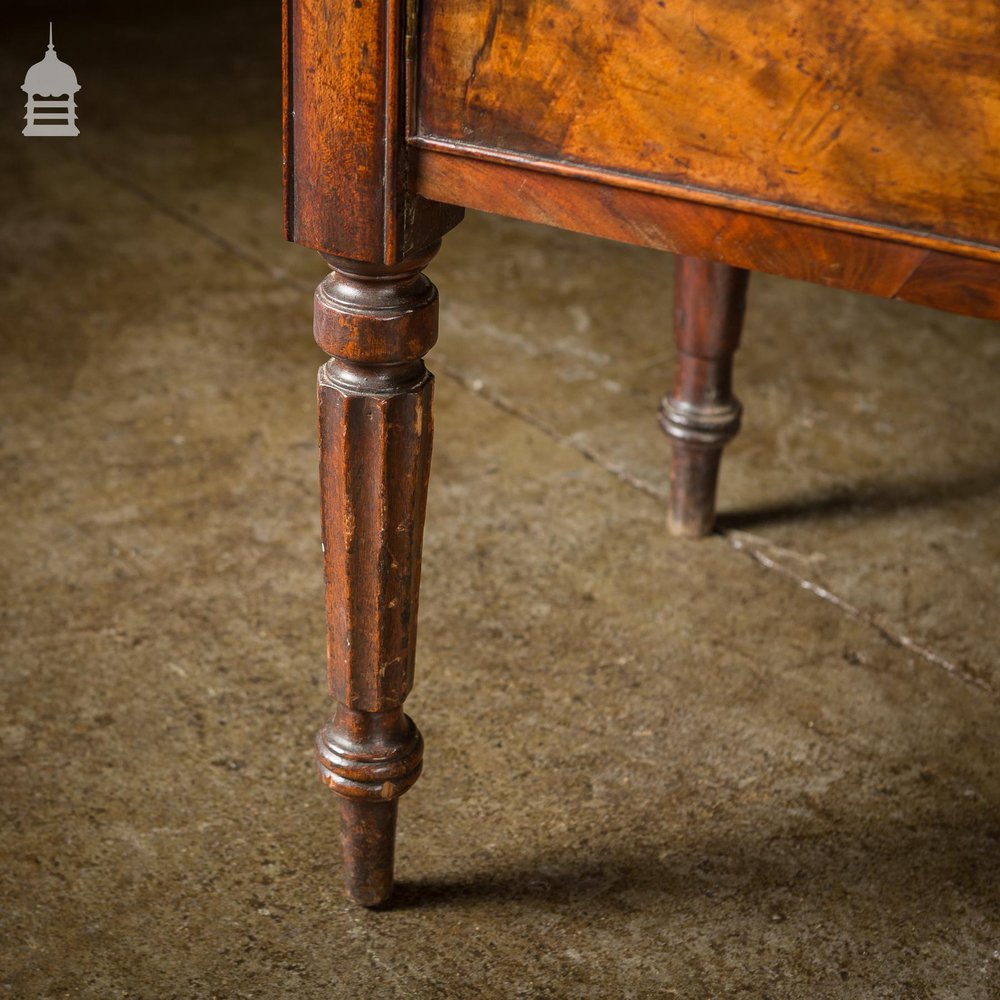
x,y
694,473
700,414
369,759
368,838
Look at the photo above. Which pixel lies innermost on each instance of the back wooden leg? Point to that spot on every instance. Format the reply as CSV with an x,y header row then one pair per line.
x,y
701,414
376,321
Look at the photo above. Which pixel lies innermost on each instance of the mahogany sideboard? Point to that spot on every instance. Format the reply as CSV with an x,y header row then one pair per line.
x,y
847,143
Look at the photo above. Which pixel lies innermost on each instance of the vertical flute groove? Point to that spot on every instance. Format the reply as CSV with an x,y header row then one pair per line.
x,y
376,322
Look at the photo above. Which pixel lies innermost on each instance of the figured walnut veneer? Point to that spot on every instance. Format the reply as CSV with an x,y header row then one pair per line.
x,y
884,114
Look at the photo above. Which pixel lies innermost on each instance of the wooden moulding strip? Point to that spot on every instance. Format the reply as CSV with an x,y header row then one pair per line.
x,y
706,196
810,250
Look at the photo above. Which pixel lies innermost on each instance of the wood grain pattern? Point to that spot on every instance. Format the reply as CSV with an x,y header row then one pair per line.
x,y
348,195
346,190
375,428
884,112
962,286
776,246
850,144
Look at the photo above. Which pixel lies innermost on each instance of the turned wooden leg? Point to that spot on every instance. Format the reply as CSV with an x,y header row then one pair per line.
x,y
376,321
701,414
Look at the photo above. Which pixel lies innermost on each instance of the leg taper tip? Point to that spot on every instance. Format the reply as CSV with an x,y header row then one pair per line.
x,y
368,835
693,476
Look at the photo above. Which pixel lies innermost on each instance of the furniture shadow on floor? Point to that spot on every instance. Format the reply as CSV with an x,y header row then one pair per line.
x,y
895,863
865,498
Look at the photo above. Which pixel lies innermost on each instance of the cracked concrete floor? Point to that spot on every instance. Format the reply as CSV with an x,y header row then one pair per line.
x,y
761,765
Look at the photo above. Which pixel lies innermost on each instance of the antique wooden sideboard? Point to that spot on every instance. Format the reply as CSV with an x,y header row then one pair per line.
x,y
847,143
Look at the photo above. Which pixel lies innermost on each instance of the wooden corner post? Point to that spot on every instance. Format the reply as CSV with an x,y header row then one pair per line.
x,y
347,195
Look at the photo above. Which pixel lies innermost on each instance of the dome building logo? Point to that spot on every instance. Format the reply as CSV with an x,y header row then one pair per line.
x,y
51,86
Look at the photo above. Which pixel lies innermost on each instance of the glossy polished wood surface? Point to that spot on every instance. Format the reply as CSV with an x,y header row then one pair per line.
x,y
348,194
851,144
808,252
345,165
884,114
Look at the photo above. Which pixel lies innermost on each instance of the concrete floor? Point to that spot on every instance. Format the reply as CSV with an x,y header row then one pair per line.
x,y
763,765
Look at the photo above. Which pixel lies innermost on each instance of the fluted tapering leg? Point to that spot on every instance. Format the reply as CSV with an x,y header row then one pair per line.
x,y
700,414
376,322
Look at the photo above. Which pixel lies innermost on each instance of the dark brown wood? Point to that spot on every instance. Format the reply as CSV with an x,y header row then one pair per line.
x,y
345,165
854,145
808,252
377,322
881,115
349,194
368,832
701,414
962,286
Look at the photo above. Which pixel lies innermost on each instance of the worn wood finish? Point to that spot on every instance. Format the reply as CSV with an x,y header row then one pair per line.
x,y
809,252
701,414
852,145
376,322
885,113
346,187
348,194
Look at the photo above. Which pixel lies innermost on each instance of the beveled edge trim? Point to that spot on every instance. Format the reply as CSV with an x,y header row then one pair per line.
x,y
707,196
785,247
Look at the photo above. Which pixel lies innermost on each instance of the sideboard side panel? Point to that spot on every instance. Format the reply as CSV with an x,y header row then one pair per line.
x,y
886,114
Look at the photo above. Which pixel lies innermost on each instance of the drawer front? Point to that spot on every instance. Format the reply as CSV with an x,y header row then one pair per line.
x,y
886,111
